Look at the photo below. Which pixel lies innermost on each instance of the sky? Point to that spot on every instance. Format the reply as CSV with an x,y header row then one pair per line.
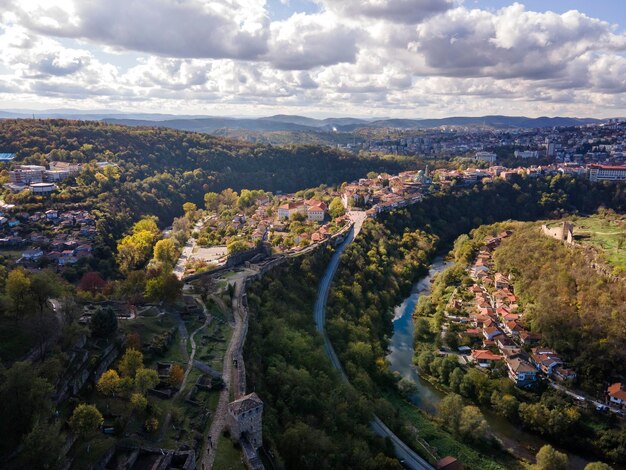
x,y
319,58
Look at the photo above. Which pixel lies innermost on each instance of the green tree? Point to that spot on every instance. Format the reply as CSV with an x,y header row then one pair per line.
x,y
166,252
166,287
138,402
151,424
24,397
450,409
336,209
598,466
456,377
472,424
85,420
189,208
131,362
42,446
43,286
103,323
146,379
236,246
549,458
18,291
505,405
212,201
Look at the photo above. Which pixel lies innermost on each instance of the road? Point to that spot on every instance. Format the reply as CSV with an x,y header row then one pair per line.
x,y
179,269
409,458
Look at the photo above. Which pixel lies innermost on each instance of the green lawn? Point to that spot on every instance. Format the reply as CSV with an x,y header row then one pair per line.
x,y
228,457
605,233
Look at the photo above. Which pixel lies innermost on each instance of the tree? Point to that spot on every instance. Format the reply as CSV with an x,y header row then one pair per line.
x,y
131,362
85,420
166,287
43,286
450,409
472,424
166,252
456,377
177,374
236,246
109,383
133,341
24,397
92,282
505,405
549,458
18,292
103,323
212,201
145,379
598,466
151,424
189,208
336,209
138,402
42,446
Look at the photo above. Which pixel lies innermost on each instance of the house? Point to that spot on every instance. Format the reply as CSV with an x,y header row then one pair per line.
x,y
501,281
617,394
491,332
484,358
527,338
521,371
52,214
546,360
288,209
513,328
316,213
560,373
34,254
449,463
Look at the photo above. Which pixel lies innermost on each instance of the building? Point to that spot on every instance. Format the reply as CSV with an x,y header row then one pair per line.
x,y
607,173
617,394
484,357
287,210
521,372
42,188
27,174
486,157
245,419
526,154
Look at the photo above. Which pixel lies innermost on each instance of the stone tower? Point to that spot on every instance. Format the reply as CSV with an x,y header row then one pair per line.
x,y
245,419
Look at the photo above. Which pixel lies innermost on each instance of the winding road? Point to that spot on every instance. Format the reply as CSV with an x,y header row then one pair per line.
x,y
407,456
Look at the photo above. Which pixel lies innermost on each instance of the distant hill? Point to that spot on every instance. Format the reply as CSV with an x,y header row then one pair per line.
x,y
300,123
293,123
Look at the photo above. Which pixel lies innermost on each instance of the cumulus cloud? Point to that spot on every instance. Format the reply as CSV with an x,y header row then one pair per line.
x,y
191,28
398,11
306,41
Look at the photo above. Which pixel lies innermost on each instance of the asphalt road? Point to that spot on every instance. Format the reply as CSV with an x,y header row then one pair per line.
x,y
409,458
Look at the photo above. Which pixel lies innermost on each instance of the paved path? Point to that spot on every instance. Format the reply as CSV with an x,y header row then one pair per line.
x,y
409,458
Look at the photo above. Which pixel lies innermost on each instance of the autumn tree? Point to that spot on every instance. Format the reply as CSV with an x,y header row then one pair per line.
x,y
598,466
92,282
109,383
138,402
177,374
472,424
133,341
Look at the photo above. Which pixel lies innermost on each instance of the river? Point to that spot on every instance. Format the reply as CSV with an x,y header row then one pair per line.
x,y
522,444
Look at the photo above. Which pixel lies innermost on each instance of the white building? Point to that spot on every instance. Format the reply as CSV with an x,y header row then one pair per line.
x,y
607,173
25,174
486,157
526,154
42,188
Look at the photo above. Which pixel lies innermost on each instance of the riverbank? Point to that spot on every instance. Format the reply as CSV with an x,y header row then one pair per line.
x,y
518,443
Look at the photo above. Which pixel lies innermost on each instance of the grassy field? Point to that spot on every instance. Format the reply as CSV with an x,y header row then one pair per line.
x,y
228,457
605,232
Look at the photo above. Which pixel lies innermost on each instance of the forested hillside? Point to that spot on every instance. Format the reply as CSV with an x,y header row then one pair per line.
x,y
579,313
160,169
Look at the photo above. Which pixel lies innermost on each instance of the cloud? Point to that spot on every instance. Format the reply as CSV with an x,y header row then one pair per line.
x,y
307,41
397,11
192,28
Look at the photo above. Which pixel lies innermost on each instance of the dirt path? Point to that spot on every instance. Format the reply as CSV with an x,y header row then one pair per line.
x,y
231,377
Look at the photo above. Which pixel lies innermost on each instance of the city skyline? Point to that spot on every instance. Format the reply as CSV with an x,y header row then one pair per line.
x,y
393,58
